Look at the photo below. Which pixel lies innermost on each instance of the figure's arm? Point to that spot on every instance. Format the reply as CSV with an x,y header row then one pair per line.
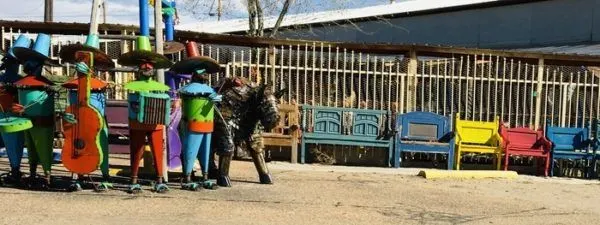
x,y
215,97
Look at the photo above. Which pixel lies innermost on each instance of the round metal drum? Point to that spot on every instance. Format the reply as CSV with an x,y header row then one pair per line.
x,y
14,124
36,102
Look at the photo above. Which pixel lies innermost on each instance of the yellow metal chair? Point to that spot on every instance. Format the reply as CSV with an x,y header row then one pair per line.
x,y
477,137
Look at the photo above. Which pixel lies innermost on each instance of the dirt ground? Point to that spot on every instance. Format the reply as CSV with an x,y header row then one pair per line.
x,y
312,194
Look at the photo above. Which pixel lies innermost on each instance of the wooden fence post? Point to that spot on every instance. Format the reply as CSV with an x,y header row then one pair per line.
x,y
538,92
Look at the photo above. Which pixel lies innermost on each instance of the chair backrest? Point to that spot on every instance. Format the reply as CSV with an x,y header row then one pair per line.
x,y
343,121
520,136
289,116
422,126
476,132
567,138
117,117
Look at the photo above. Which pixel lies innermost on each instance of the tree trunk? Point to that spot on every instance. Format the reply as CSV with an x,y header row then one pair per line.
x,y
252,13
286,6
260,19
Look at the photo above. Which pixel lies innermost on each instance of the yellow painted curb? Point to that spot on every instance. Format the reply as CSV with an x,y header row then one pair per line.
x,y
467,174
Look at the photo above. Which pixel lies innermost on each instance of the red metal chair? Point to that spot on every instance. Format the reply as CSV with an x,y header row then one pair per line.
x,y
527,142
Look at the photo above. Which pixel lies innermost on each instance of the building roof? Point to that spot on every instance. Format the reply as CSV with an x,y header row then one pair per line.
x,y
403,7
582,49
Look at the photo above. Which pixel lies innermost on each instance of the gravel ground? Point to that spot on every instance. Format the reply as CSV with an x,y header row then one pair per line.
x,y
310,194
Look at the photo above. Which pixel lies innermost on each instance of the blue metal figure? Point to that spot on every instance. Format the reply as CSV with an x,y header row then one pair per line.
x,y
198,113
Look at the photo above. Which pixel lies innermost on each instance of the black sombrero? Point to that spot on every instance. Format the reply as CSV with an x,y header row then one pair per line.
x,y
143,54
101,59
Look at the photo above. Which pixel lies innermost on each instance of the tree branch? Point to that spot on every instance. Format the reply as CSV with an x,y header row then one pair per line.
x,y
286,6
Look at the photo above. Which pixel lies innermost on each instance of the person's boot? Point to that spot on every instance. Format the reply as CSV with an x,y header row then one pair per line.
x,y
223,179
261,167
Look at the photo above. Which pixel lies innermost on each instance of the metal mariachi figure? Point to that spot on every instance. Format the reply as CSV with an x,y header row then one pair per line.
x,y
96,96
169,16
174,80
149,108
11,127
198,113
36,102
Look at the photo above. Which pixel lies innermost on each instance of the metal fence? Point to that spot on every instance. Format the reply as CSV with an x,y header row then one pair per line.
x,y
479,87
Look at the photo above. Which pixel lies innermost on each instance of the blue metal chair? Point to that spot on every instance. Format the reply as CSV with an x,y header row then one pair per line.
x,y
424,132
569,143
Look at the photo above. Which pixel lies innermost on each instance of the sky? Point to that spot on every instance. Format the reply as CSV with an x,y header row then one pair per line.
x,y
126,11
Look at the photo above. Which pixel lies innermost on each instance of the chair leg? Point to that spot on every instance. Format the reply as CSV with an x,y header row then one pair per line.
x,y
450,159
506,155
546,166
551,167
457,160
302,152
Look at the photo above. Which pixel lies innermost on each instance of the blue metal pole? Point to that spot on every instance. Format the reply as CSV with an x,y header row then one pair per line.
x,y
169,23
144,18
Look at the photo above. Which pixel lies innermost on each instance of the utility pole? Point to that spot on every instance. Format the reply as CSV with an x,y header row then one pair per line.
x,y
219,10
48,14
104,11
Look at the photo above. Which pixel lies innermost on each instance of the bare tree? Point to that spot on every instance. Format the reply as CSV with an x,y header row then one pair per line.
x,y
259,9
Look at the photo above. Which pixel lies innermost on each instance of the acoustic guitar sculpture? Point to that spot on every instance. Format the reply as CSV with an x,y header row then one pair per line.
x,y
82,153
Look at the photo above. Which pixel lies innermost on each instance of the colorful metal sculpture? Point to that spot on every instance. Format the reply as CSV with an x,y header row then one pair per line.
x,y
198,113
169,14
86,91
247,109
11,127
174,80
36,102
149,108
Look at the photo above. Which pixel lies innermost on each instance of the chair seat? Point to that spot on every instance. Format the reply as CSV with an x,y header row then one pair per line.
x,y
479,148
523,148
424,143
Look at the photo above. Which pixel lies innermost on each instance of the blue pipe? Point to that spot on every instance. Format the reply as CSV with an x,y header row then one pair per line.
x,y
169,21
144,25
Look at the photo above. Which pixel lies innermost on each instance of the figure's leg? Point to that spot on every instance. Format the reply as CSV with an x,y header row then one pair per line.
x,y
156,144
213,170
104,167
192,141
43,139
258,157
137,140
204,158
14,149
223,146
32,157
204,155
